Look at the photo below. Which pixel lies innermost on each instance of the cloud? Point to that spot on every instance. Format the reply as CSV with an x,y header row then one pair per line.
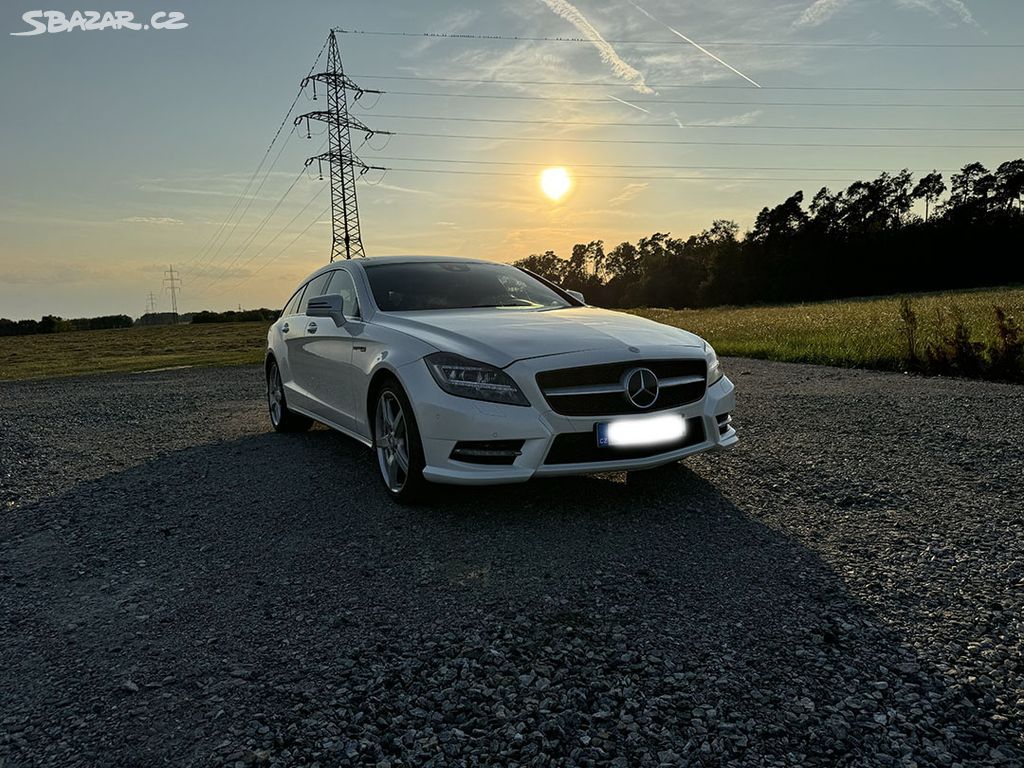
x,y
620,68
628,192
820,12
150,220
957,7
397,188
746,118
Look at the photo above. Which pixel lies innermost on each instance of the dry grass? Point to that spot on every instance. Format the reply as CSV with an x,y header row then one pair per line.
x,y
131,349
856,332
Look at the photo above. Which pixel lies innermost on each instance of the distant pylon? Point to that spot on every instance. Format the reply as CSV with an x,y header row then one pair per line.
x,y
172,283
346,239
150,303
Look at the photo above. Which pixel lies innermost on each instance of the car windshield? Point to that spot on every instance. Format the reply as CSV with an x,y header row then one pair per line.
x,y
427,285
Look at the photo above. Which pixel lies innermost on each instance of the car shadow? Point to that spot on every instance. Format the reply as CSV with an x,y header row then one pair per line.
x,y
262,596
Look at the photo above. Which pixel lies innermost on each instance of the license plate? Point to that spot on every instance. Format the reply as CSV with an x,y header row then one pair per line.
x,y
640,432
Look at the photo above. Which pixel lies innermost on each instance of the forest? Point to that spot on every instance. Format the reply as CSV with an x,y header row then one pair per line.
x,y
862,241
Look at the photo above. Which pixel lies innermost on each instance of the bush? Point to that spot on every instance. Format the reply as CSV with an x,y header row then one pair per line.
x,y
1006,353
954,352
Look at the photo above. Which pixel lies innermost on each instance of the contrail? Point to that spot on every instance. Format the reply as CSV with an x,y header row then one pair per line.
x,y
571,13
634,106
700,48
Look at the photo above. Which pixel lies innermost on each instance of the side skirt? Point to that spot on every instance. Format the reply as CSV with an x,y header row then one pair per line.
x,y
348,432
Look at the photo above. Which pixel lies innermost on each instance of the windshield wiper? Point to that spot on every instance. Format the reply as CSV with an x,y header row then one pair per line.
x,y
490,306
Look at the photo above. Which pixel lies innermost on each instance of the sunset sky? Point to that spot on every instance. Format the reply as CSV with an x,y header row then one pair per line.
x,y
126,151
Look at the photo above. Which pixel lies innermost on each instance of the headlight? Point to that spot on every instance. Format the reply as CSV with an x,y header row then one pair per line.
x,y
715,372
478,381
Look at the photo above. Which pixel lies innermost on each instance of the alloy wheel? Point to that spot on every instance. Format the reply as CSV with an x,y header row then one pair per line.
x,y
392,441
275,394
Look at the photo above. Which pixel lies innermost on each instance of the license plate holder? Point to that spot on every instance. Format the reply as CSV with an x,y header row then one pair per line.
x,y
640,432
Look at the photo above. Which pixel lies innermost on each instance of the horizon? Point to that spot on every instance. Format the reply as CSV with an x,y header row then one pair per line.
x,y
166,128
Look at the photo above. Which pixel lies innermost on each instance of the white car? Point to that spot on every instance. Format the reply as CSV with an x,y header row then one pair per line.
x,y
471,372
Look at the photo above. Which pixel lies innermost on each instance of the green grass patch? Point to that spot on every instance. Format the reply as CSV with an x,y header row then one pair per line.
x,y
865,333
131,349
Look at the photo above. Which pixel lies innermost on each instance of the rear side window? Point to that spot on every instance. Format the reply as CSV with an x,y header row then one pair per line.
x,y
293,304
341,285
315,287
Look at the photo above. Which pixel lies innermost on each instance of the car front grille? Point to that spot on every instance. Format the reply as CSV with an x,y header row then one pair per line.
x,y
582,448
596,390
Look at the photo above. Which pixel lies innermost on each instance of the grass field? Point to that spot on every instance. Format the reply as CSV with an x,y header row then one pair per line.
x,y
859,332
864,333
131,349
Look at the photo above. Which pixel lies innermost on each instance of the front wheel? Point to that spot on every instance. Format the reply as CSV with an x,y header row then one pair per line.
x,y
396,440
282,419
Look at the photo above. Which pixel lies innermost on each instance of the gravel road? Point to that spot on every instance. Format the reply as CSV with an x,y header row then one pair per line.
x,y
180,586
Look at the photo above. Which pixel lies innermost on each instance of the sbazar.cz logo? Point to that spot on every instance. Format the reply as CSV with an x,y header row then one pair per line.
x,y
88,21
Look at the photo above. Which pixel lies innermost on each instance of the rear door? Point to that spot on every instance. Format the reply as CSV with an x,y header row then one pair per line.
x,y
289,330
298,337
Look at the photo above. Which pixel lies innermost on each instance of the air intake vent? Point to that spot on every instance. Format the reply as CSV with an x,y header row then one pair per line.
x,y
493,452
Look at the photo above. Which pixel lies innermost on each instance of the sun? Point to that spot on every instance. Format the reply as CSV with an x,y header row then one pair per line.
x,y
555,182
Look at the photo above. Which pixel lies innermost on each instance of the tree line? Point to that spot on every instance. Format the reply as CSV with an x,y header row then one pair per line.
x,y
55,324
860,241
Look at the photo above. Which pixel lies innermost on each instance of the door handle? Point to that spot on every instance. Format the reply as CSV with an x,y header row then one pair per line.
x,y
311,328
284,328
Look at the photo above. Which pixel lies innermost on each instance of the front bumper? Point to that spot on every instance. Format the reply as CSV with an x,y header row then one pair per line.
x,y
445,420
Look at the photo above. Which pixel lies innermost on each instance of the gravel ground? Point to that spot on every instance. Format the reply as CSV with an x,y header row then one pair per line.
x,y
180,586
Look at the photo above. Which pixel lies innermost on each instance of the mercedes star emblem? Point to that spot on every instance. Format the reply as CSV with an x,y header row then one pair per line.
x,y
641,387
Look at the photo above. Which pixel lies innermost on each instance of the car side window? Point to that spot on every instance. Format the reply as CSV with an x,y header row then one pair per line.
x,y
316,287
293,303
341,285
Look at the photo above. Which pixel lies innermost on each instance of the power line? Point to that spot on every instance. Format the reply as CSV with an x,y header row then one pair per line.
x,y
563,140
206,264
281,231
252,235
720,43
707,86
625,177
645,100
273,258
754,126
199,255
652,167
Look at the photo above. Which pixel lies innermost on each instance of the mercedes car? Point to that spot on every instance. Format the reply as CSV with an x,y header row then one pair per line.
x,y
471,372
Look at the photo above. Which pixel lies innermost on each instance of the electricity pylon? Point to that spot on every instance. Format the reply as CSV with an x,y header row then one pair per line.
x,y
172,284
346,239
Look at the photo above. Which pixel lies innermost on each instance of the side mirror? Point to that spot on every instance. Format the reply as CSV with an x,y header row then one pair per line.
x,y
327,306
577,295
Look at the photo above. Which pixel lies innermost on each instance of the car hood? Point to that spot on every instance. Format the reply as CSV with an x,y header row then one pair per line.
x,y
501,336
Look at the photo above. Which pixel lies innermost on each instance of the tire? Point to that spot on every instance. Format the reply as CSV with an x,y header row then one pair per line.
x,y
281,418
397,443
